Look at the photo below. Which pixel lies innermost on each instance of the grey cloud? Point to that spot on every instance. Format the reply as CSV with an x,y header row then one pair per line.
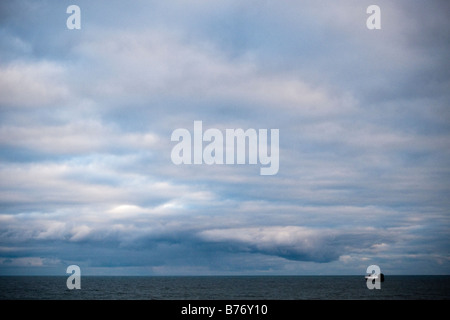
x,y
86,119
297,243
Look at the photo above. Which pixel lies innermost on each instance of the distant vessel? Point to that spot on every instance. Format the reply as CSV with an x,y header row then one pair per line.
x,y
375,276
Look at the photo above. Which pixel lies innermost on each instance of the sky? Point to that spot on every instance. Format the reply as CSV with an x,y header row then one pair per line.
x,y
86,117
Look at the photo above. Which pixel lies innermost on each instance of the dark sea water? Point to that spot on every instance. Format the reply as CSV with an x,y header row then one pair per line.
x,y
225,288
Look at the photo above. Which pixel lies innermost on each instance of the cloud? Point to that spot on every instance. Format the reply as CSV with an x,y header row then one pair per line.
x,y
296,243
27,85
20,262
75,138
86,118
184,70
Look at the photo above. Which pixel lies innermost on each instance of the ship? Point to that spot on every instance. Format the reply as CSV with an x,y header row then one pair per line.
x,y
375,276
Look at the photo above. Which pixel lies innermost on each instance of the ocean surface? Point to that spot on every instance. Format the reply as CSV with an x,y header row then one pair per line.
x,y
224,288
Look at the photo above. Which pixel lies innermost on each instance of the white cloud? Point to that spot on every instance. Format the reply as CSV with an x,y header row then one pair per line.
x,y
52,230
165,65
77,137
97,181
80,233
125,210
26,85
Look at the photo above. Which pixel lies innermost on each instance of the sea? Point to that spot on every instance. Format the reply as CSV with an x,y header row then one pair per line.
x,y
224,288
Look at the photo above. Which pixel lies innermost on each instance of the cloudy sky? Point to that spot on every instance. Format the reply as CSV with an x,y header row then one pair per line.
x,y
86,118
